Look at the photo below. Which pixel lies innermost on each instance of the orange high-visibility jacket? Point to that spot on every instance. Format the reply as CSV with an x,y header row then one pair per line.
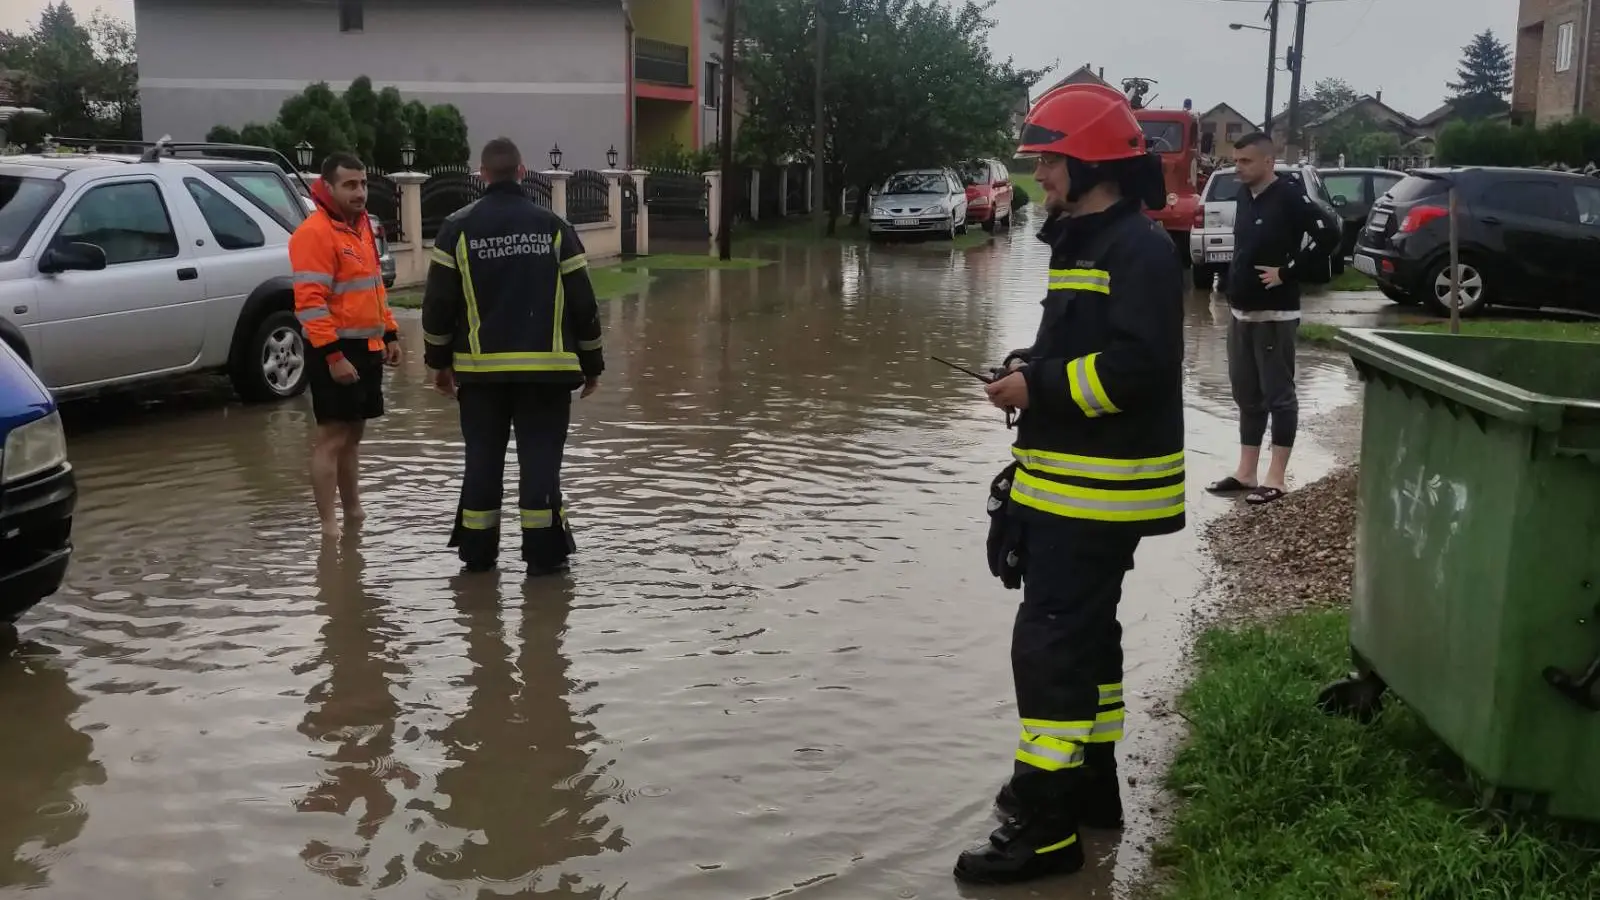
x,y
338,284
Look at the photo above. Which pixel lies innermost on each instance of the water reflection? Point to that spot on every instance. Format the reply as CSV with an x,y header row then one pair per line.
x,y
518,802
44,761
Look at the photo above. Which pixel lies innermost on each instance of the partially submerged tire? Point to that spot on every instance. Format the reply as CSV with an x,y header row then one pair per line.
x,y
272,363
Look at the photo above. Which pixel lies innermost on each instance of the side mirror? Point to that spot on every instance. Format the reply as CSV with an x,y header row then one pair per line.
x,y
1340,200
74,257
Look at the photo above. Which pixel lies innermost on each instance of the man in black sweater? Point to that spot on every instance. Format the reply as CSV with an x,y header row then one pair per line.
x,y
1273,217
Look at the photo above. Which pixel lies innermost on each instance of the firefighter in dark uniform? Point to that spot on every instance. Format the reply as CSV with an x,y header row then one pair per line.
x,y
512,328
1099,465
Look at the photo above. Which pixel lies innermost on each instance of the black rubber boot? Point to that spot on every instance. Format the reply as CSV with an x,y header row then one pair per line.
x,y
1099,801
1040,841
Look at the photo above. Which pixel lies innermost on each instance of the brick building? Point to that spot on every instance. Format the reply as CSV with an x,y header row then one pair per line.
x,y
1557,70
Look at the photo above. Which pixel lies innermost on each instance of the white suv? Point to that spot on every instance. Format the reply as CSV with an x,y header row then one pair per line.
x,y
1211,239
118,268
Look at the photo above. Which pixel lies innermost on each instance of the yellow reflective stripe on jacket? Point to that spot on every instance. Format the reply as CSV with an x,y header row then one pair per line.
x,y
1097,280
568,266
441,257
1083,379
517,362
1097,504
1049,753
473,320
480,519
1101,468
556,341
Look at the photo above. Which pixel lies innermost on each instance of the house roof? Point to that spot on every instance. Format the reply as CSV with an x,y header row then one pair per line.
x,y
1363,100
1084,74
1437,115
1227,108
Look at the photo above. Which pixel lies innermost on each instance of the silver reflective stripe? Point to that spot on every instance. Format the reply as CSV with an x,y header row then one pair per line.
x,y
590,345
1080,375
1109,727
360,332
1028,490
357,284
1035,460
313,278
1109,696
1060,757
438,340
312,314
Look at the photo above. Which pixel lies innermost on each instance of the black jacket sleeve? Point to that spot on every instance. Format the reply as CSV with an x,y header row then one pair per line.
x,y
1143,359
1324,231
443,300
581,304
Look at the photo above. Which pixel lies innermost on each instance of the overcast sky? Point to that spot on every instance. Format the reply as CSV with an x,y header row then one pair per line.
x,y
1406,48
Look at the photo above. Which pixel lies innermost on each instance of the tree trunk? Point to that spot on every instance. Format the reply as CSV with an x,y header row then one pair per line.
x,y
862,198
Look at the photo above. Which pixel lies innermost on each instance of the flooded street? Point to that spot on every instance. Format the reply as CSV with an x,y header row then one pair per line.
x,y
778,667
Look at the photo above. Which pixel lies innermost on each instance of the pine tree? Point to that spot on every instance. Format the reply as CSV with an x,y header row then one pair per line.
x,y
1485,69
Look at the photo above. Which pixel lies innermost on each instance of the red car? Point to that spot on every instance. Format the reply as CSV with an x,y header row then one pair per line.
x,y
988,192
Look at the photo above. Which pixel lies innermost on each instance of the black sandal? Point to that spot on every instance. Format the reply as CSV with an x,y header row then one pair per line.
x,y
1229,485
1263,495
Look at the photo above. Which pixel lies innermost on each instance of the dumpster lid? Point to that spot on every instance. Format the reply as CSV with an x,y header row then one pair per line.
x,y
1549,385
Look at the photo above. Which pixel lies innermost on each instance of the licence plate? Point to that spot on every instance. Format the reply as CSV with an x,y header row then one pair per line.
x,y
1219,256
905,221
1365,265
1380,218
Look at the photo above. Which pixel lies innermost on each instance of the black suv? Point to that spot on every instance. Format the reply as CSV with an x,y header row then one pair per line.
x,y
1529,237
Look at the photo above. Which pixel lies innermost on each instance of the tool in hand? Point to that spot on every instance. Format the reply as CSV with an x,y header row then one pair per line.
x,y
1011,414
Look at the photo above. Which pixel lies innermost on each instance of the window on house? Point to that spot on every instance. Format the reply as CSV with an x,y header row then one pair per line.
x,y
712,89
352,15
1564,47
1235,131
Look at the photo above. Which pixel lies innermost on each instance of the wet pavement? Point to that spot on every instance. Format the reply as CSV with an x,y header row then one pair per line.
x,y
779,666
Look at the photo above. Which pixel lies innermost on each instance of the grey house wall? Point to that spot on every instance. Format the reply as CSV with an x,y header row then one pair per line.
x,y
538,71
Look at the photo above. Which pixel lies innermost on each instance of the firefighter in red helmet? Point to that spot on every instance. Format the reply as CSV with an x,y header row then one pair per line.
x,y
1098,466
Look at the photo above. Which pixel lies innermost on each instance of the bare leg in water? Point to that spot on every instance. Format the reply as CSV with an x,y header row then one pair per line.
x,y
350,476
326,465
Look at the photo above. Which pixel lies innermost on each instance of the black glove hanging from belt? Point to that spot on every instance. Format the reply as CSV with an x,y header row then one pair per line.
x,y
1006,557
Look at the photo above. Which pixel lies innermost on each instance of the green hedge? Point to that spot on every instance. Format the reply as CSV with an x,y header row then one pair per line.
x,y
1575,143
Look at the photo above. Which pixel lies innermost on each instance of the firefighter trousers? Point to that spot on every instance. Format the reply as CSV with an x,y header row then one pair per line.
x,y
539,414
1066,653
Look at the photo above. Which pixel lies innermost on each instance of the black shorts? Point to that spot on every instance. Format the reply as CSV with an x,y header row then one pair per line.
x,y
335,402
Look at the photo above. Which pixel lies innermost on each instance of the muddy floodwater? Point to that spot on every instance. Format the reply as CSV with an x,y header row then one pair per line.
x,y
779,666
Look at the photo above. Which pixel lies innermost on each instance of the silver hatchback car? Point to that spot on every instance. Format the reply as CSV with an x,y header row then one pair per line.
x,y
922,202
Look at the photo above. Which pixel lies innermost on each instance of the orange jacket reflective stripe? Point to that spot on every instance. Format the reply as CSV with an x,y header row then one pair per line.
x,y
338,283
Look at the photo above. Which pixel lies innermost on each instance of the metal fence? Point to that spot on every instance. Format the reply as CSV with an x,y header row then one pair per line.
x,y
677,201
452,187
383,201
588,197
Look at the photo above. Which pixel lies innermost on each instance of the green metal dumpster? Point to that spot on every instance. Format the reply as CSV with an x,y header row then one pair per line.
x,y
1477,580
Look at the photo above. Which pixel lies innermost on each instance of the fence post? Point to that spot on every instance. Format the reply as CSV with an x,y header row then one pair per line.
x,y
810,197
713,206
558,190
755,195
410,184
614,198
641,218
783,191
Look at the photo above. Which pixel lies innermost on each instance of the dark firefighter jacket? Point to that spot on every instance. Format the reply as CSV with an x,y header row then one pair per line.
x,y
1101,443
508,295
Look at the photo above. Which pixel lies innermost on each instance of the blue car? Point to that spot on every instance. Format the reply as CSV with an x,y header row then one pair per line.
x,y
37,490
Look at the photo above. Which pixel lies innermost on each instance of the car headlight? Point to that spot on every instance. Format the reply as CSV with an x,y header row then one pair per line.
x,y
879,211
38,446
933,211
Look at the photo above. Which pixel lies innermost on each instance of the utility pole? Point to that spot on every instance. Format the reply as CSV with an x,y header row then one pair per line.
x,y
819,139
1293,144
1272,64
725,236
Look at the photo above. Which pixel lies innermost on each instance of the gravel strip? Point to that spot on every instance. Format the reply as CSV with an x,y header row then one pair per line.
x,y
1288,556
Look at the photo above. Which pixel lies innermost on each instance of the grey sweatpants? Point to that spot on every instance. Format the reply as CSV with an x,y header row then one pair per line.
x,y
1261,370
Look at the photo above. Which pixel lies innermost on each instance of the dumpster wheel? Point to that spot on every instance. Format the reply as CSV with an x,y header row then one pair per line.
x,y
1360,697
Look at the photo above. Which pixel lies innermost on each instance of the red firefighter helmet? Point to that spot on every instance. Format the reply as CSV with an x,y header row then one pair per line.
x,y
1089,122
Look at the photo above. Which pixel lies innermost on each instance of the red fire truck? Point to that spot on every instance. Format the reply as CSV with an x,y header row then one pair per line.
x,y
1175,135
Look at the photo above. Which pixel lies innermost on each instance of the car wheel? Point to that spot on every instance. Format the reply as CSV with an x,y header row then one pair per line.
x,y
1476,294
272,364
1397,295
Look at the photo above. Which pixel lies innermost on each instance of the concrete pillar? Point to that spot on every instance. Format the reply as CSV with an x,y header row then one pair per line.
x,y
558,189
642,218
783,192
614,197
755,195
410,184
811,174
713,206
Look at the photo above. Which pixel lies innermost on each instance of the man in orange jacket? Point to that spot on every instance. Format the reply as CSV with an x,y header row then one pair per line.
x,y
341,304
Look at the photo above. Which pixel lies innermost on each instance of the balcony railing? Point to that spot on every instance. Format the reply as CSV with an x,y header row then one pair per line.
x,y
659,62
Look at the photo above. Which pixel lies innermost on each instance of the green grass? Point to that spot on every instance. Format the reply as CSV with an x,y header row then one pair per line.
x,y
1281,801
610,282
1318,333
1351,280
